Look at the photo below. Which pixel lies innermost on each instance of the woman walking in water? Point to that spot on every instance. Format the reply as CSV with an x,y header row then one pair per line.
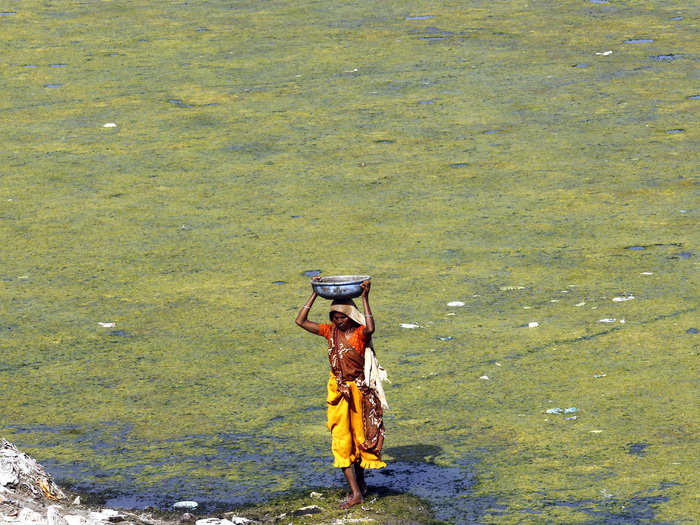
x,y
354,409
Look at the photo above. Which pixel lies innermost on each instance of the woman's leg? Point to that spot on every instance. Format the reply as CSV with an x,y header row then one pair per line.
x,y
356,495
360,476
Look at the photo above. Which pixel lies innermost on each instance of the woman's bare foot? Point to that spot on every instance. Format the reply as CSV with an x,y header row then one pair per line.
x,y
352,499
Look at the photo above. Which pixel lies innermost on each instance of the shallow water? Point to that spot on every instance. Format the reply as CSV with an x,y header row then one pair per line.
x,y
451,152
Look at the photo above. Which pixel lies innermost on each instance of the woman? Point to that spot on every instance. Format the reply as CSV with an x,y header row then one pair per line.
x,y
354,409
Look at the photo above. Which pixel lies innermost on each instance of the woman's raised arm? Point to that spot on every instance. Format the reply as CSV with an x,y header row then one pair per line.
x,y
369,320
302,320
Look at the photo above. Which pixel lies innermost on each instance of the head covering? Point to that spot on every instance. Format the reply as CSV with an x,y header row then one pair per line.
x,y
348,307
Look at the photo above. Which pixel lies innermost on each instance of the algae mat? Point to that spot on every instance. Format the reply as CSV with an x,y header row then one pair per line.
x,y
171,170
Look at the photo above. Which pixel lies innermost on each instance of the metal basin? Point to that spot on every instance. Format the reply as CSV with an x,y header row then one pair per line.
x,y
339,286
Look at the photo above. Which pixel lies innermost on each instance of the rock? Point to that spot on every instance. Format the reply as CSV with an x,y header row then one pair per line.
x,y
74,519
53,516
29,517
186,517
304,511
106,516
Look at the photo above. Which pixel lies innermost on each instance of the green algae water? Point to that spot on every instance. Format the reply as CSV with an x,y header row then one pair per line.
x,y
169,171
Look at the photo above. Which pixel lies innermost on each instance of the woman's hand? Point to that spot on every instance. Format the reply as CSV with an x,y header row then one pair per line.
x,y
366,285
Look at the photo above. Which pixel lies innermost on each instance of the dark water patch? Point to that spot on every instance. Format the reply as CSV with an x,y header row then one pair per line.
x,y
613,511
7,13
493,131
682,255
599,1
30,65
384,141
202,30
53,85
691,331
262,462
580,65
433,38
419,17
639,247
118,333
639,41
426,102
668,58
279,282
459,165
637,449
178,102
296,216
57,65
694,97
676,130
311,273
677,18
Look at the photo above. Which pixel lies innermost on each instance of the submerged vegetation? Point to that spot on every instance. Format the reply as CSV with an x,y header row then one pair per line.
x,y
171,170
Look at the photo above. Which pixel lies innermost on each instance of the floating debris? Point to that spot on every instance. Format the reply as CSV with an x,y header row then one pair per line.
x,y
647,273
107,325
409,325
595,431
109,125
570,418
558,410
446,338
623,298
598,376
316,495
604,53
607,320
533,324
455,303
511,288
580,304
185,505
485,378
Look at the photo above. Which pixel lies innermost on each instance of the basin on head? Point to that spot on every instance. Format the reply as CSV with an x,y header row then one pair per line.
x,y
339,286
